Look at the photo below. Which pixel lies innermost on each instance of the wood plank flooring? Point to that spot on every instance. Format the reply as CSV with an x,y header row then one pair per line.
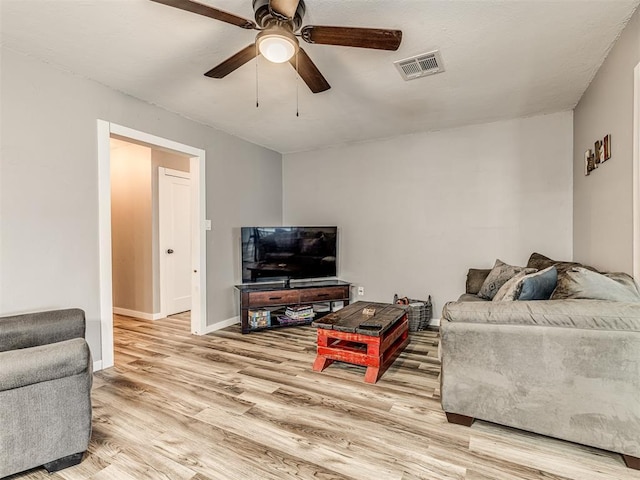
x,y
232,406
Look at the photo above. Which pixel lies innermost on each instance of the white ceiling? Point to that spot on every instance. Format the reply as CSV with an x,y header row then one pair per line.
x,y
503,59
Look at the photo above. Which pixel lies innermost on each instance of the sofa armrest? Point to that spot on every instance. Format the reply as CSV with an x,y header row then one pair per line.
x,y
26,366
575,384
33,329
570,313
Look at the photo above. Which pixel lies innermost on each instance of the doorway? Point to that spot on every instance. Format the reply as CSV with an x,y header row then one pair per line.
x,y
106,130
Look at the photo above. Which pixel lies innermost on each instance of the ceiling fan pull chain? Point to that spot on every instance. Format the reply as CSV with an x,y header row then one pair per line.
x,y
257,60
297,82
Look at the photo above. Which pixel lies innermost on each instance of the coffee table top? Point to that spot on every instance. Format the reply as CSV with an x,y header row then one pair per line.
x,y
352,319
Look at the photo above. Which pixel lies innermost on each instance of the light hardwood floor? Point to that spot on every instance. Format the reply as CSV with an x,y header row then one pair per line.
x,y
233,406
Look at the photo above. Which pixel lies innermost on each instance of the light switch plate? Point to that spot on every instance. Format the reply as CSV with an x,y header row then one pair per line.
x,y
207,224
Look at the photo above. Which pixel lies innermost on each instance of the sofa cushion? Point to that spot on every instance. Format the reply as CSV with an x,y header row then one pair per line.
x,y
475,279
500,273
581,283
470,297
539,285
571,313
510,291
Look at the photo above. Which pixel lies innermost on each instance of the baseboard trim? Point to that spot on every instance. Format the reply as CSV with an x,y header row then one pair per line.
x,y
220,325
434,322
135,314
97,365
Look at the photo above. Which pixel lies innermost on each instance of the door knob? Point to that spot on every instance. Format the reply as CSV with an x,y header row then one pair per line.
x,y
170,251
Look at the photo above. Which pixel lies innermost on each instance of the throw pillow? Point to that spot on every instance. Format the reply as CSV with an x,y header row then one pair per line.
x,y
582,283
540,262
539,285
624,279
500,273
510,291
475,279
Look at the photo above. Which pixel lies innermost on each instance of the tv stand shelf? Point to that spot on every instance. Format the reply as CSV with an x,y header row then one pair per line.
x,y
275,295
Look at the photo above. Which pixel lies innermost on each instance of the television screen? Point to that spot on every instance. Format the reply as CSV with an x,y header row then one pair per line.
x,y
283,253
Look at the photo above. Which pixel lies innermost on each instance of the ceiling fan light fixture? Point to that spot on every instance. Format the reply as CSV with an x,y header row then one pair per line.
x,y
277,46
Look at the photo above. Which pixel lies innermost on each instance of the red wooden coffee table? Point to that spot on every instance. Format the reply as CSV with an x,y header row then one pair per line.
x,y
374,341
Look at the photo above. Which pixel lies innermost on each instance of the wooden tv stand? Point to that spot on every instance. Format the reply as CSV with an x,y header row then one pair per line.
x,y
275,297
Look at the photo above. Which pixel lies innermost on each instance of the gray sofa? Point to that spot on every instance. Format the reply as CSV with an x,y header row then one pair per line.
x,y
569,369
45,391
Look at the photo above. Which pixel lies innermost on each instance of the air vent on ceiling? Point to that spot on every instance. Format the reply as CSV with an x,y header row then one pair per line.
x,y
421,65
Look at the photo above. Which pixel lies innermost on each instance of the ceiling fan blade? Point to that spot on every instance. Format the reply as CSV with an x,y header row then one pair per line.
x,y
309,72
210,12
377,38
233,63
285,9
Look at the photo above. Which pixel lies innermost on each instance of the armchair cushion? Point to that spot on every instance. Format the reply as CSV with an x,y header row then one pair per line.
x,y
43,363
42,328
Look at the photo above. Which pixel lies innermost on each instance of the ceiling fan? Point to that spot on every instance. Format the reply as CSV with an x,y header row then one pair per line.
x,y
278,23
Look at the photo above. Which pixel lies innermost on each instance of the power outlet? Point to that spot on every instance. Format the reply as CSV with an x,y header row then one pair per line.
x,y
360,291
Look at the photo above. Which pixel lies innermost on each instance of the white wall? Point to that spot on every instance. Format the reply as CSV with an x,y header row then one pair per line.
x,y
131,227
603,201
49,189
415,212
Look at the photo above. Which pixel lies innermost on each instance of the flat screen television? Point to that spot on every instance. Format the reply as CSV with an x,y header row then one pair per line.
x,y
283,253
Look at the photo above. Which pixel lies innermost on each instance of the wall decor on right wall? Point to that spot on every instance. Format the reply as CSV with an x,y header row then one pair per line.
x,y
589,162
606,143
600,154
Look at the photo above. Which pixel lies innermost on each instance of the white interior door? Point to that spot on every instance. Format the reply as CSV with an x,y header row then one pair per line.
x,y
174,190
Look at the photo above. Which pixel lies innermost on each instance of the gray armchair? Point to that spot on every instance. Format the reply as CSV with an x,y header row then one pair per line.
x,y
45,391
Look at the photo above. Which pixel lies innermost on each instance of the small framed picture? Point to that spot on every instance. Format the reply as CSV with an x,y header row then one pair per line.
x,y
607,148
597,152
587,167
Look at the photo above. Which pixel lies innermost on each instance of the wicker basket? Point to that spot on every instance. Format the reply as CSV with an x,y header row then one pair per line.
x,y
419,312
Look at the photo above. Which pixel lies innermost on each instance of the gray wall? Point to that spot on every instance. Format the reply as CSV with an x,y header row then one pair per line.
x,y
603,201
415,212
49,189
